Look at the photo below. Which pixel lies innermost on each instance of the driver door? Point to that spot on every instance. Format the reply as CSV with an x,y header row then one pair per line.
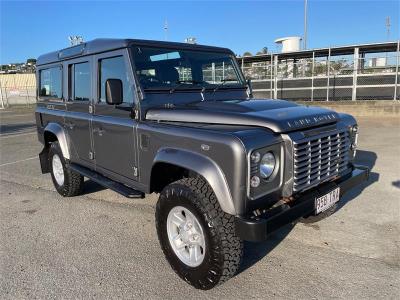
x,y
113,128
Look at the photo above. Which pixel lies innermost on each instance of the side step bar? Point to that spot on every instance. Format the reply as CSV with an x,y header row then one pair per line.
x,y
107,182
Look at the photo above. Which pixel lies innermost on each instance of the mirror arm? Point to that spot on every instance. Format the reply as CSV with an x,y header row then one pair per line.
x,y
249,89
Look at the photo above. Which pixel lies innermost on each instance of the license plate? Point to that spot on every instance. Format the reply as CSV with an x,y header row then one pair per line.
x,y
324,202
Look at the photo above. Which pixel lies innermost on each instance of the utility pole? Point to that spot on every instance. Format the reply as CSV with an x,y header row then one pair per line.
x,y
305,25
387,24
166,30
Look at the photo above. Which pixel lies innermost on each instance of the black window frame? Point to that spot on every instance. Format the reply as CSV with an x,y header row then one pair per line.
x,y
40,70
241,83
71,81
98,100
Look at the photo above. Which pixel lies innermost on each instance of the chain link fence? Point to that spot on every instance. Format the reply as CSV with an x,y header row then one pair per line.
x,y
356,76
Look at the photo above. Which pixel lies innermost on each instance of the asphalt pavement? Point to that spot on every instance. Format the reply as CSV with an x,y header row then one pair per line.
x,y
102,245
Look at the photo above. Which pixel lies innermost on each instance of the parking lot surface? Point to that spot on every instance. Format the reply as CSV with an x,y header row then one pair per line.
x,y
102,245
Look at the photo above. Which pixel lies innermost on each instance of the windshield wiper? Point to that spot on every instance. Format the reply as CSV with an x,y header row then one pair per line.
x,y
183,82
223,81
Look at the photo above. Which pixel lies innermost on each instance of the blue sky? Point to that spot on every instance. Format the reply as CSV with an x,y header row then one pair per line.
x,y
31,28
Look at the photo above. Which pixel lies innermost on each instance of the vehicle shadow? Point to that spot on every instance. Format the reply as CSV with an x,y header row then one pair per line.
x,y
365,158
91,187
16,128
253,252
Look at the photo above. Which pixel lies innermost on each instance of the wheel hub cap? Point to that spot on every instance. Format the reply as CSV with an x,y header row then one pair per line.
x,y
58,170
186,236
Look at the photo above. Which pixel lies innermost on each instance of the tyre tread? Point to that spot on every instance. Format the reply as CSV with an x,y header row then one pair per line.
x,y
223,227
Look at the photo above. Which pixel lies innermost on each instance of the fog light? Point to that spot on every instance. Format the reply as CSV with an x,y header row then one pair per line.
x,y
255,181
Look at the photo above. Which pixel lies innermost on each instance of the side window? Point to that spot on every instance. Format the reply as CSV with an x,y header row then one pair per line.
x,y
81,81
115,68
50,83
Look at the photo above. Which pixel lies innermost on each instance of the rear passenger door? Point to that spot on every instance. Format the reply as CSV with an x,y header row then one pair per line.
x,y
114,130
79,105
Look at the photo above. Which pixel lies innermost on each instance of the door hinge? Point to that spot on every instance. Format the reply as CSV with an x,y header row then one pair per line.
x,y
135,171
135,114
91,155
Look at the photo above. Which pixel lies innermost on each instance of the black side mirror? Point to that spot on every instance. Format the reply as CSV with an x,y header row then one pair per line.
x,y
249,88
114,91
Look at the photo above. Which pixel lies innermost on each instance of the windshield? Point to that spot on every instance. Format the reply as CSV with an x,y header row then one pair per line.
x,y
175,69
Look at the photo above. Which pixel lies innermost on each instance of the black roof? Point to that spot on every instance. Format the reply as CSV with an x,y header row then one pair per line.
x,y
103,45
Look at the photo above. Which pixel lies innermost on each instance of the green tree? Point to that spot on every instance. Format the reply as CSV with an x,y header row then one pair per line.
x,y
31,61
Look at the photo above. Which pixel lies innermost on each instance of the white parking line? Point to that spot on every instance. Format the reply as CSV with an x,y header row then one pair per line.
x,y
16,134
18,161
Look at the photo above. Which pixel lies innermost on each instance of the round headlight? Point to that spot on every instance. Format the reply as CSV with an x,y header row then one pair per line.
x,y
267,165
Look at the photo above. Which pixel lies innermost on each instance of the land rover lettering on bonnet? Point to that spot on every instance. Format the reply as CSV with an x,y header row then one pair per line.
x,y
180,120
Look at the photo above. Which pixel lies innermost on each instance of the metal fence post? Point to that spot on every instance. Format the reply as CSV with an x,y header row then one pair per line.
x,y
27,93
213,72
329,72
312,76
5,92
276,77
271,76
355,72
1,94
397,71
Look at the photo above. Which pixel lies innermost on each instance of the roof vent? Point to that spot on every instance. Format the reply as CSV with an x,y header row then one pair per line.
x,y
72,51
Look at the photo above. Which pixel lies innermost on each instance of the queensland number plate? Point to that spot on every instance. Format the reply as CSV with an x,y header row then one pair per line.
x,y
324,202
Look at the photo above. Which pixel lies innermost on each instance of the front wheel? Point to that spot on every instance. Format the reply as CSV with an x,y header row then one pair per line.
x,y
67,182
196,236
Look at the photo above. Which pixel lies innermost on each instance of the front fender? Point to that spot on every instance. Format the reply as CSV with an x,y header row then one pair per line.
x,y
203,166
59,132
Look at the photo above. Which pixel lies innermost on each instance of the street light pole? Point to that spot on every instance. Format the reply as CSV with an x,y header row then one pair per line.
x,y
305,25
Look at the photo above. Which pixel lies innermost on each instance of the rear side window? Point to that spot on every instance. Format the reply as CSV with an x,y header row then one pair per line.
x,y
115,68
50,83
81,82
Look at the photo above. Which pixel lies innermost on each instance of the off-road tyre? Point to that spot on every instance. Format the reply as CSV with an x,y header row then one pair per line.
x,y
73,181
224,249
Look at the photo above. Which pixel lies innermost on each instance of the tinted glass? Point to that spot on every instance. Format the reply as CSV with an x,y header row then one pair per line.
x,y
82,81
115,68
50,83
179,69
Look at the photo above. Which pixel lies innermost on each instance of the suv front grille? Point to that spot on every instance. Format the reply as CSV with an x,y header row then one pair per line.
x,y
319,159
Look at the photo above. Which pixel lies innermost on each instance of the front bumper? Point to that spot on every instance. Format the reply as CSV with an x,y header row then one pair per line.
x,y
260,227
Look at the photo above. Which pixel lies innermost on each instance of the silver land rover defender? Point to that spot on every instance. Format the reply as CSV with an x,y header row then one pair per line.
x,y
180,120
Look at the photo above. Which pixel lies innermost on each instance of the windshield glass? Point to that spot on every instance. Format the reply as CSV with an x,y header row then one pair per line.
x,y
174,69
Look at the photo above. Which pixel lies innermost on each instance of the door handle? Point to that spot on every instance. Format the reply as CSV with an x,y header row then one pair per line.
x,y
99,131
70,125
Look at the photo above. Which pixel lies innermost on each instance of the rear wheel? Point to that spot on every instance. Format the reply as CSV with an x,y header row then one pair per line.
x,y
67,182
196,236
